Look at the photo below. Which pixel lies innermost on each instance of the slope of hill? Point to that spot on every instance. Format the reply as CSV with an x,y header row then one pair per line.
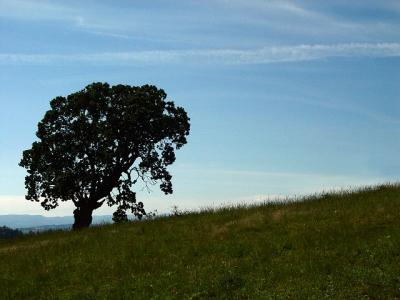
x,y
344,246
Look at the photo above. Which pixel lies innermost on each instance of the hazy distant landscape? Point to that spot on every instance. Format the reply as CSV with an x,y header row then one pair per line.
x,y
39,223
25,221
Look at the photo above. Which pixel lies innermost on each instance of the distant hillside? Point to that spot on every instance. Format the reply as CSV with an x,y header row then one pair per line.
x,y
333,246
37,229
24,221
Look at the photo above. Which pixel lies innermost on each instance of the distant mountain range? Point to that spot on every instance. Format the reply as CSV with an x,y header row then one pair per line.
x,y
34,221
45,228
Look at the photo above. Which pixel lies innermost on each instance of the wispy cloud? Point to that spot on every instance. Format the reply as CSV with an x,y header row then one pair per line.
x,y
309,19
275,20
264,55
36,10
27,10
266,174
349,107
271,185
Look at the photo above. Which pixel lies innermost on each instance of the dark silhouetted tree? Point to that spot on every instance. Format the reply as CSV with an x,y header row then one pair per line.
x,y
94,145
120,216
9,233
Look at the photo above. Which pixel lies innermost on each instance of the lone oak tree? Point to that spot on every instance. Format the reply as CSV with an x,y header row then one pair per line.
x,y
94,145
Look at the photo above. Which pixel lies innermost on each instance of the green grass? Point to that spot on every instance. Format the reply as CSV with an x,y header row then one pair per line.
x,y
342,246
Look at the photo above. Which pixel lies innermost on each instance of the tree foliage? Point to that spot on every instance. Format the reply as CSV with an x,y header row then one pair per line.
x,y
95,144
8,233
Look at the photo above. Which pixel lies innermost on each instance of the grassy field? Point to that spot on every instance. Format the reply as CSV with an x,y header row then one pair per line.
x,y
342,246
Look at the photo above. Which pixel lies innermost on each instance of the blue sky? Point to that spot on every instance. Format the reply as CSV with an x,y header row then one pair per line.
x,y
285,97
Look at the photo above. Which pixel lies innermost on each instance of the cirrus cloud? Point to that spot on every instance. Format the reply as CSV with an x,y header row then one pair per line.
x,y
265,55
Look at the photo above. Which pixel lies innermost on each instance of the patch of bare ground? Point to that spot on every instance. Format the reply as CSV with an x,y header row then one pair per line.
x,y
251,221
24,246
247,222
278,214
32,245
219,232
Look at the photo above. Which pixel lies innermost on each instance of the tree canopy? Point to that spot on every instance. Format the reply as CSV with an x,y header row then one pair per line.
x,y
9,233
95,144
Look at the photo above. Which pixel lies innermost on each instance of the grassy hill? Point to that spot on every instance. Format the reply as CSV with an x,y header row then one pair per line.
x,y
342,246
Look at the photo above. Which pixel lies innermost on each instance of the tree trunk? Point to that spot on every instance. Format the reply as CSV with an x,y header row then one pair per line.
x,y
83,218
